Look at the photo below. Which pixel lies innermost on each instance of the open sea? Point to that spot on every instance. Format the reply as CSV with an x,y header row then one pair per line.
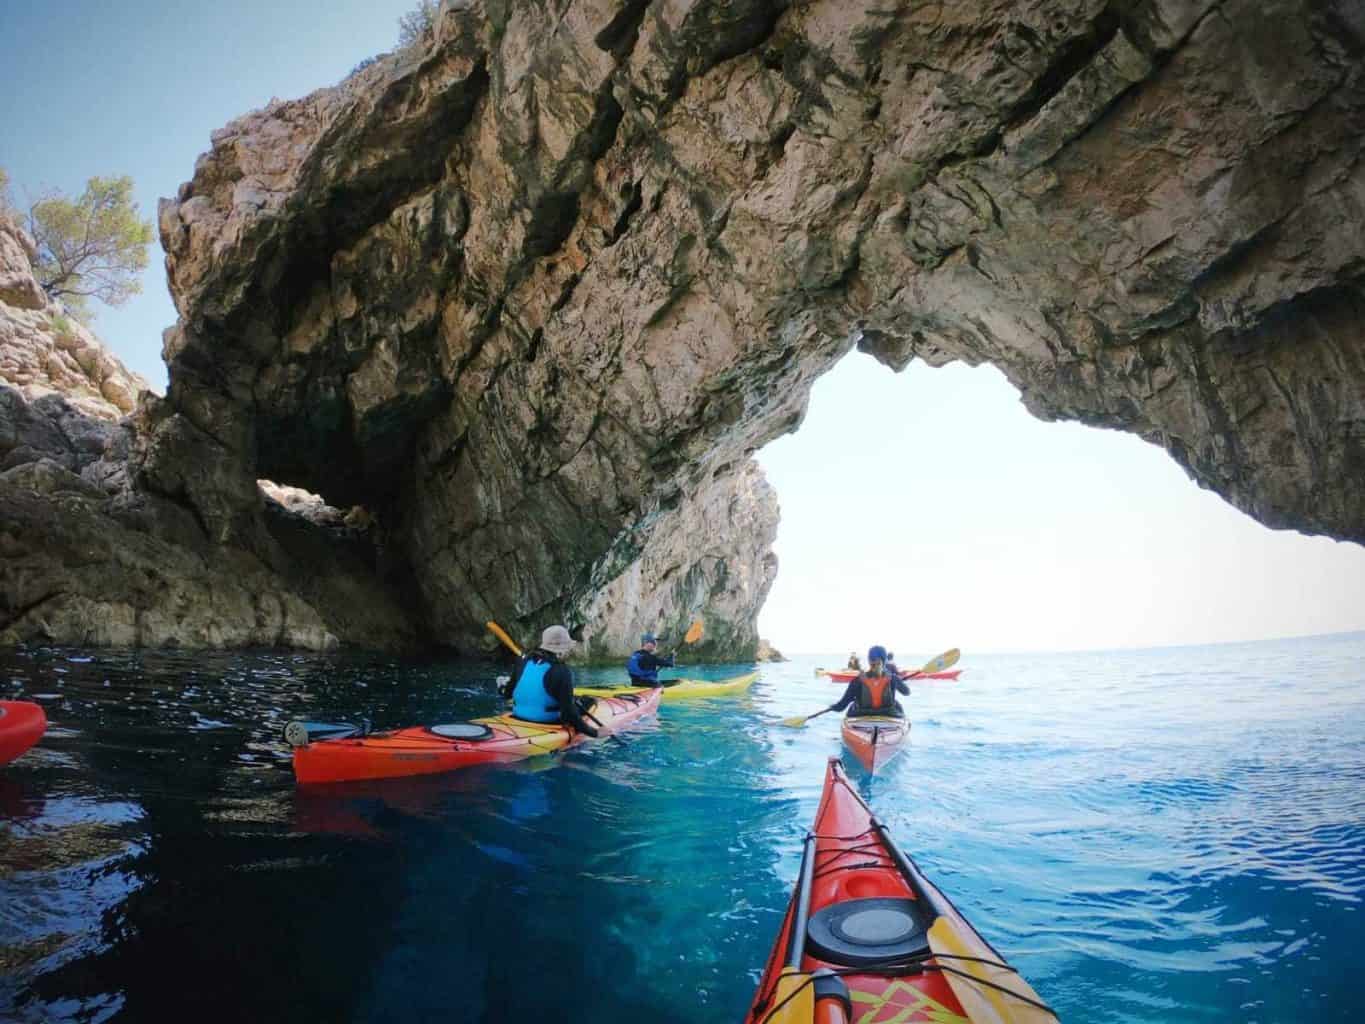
x,y
1158,835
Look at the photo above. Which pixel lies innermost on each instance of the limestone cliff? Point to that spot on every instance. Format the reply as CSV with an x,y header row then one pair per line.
x,y
89,558
530,291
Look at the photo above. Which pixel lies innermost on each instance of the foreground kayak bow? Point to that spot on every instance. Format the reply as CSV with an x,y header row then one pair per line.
x,y
352,753
868,939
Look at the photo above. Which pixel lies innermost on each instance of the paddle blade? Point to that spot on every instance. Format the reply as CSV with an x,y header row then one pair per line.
x,y
945,660
795,722
694,632
501,634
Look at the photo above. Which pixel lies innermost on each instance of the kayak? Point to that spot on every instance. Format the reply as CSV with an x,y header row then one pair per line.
x,y
875,739
351,753
868,938
684,689
22,723
847,675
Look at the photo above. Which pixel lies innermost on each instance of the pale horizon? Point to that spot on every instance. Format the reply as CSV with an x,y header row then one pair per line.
x,y
994,531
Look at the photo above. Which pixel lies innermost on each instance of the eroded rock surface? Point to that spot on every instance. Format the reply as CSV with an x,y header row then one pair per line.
x,y
89,557
527,292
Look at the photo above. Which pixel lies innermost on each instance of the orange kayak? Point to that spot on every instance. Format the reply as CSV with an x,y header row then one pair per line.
x,y
846,675
868,938
22,724
875,739
352,754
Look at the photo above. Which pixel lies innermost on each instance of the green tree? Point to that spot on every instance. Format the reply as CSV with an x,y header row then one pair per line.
x,y
93,247
414,25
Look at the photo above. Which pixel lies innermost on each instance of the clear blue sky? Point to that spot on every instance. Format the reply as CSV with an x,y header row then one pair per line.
x,y
136,87
990,530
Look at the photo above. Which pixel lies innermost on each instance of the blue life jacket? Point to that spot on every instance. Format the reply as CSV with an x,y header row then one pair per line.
x,y
637,671
530,701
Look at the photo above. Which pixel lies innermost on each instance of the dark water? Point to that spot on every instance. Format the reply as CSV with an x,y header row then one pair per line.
x,y
1156,835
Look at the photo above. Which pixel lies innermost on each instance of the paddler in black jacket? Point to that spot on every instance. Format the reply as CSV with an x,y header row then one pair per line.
x,y
873,692
541,686
643,666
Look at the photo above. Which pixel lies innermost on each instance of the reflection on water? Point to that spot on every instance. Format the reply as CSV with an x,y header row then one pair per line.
x,y
1169,835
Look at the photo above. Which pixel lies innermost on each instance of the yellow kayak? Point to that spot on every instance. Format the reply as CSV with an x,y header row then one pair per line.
x,y
682,689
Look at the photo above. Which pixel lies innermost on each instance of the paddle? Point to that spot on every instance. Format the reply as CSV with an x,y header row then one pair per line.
x,y
945,660
501,634
932,665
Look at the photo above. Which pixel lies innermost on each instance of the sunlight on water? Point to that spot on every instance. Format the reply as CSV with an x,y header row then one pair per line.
x,y
1173,834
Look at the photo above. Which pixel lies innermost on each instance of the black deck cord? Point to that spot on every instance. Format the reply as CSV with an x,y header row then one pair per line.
x,y
796,939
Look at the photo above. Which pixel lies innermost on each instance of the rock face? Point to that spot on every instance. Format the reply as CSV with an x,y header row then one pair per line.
x,y
45,351
533,292
88,557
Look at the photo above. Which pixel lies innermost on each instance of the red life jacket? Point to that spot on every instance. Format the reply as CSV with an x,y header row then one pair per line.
x,y
876,693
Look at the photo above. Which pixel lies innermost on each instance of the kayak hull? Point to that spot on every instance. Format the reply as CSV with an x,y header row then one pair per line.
x,y
686,689
22,724
848,675
875,739
419,750
867,937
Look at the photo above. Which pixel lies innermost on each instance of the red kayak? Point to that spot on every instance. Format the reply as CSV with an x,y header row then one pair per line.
x,y
875,739
341,753
21,724
846,675
868,938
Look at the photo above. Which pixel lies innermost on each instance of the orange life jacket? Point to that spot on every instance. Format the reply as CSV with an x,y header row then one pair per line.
x,y
876,693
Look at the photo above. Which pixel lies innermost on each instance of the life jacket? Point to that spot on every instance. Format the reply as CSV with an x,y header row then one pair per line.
x,y
876,693
530,700
637,671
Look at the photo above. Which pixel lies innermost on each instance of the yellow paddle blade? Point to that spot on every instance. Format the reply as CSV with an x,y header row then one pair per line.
x,y
945,660
795,722
501,634
694,632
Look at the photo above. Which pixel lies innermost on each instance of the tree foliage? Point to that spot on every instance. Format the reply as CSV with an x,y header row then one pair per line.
x,y
414,25
93,247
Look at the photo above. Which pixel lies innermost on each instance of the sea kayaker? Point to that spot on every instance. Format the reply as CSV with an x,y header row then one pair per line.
x,y
873,692
854,665
643,666
891,668
541,686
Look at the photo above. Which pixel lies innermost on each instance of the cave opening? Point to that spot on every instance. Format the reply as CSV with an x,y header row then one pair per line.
x,y
930,509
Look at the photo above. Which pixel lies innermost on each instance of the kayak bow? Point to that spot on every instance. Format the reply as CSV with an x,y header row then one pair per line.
x,y
22,724
868,938
424,750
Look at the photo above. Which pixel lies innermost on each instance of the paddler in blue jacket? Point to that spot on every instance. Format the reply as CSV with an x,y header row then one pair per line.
x,y
643,666
873,692
541,687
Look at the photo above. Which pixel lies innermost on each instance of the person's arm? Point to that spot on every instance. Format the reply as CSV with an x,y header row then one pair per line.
x,y
667,660
560,680
511,683
850,695
901,686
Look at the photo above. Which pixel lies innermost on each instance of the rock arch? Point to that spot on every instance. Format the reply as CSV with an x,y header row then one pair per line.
x,y
535,291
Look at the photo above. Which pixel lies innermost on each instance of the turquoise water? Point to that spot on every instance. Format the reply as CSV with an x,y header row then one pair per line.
x,y
1170,835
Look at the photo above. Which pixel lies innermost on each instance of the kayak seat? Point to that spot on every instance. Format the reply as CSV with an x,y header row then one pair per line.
x,y
867,932
461,731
